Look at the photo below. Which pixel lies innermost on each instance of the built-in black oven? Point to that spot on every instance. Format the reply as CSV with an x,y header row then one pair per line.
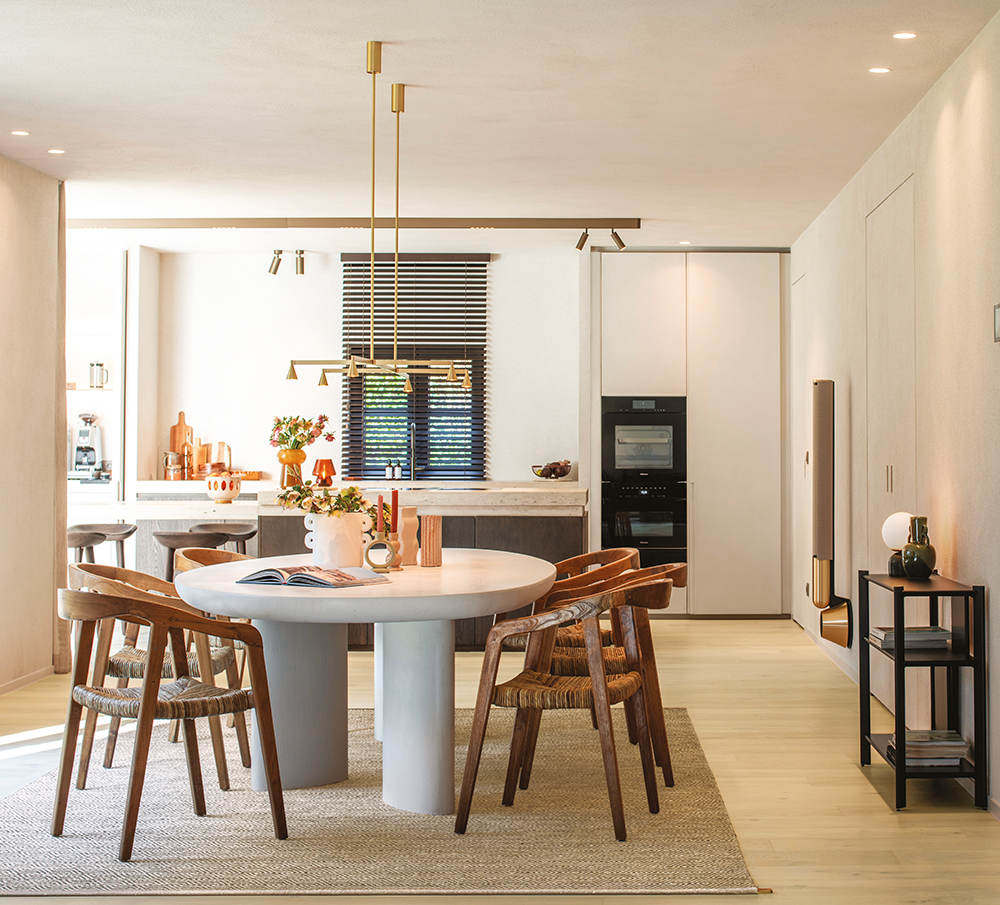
x,y
644,476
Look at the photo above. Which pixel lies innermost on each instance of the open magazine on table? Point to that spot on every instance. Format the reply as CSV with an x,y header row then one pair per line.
x,y
315,577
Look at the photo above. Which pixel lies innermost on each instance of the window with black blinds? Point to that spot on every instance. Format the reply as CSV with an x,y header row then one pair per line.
x,y
442,316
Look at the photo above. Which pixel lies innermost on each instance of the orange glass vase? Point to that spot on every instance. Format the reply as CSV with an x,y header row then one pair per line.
x,y
291,466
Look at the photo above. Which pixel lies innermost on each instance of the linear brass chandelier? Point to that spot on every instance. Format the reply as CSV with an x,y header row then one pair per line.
x,y
355,366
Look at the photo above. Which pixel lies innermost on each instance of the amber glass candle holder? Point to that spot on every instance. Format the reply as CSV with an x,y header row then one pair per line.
x,y
324,472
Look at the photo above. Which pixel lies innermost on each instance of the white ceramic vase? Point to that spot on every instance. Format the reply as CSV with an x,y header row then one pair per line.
x,y
337,540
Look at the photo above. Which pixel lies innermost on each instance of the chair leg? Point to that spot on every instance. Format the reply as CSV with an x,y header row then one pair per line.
x,y
637,705
517,739
143,730
84,641
602,710
194,765
104,636
530,741
268,747
214,723
651,692
484,699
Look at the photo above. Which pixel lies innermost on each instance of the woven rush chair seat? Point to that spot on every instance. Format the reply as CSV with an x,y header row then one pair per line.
x,y
539,691
184,699
130,662
572,661
566,636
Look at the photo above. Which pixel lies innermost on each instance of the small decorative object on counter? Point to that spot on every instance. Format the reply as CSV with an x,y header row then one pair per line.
x,y
388,471
222,488
380,554
895,533
397,564
397,472
552,470
918,555
98,375
291,435
324,472
430,540
408,524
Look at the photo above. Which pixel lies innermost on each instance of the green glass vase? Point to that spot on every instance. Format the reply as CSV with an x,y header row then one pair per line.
x,y
918,555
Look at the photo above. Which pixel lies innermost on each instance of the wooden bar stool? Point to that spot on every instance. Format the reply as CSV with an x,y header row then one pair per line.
x,y
83,543
236,532
174,540
114,531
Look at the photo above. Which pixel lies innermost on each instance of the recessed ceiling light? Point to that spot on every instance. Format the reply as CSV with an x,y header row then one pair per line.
x,y
683,242
56,151
19,132
879,69
903,35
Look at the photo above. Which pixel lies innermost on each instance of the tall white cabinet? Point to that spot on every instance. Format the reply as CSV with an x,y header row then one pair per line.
x,y
726,309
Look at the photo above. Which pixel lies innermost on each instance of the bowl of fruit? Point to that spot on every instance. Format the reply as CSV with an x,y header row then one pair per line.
x,y
552,469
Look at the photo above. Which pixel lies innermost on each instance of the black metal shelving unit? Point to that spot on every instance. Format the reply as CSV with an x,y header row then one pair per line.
x,y
967,649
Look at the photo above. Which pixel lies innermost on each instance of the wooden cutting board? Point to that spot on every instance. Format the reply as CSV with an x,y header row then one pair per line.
x,y
180,434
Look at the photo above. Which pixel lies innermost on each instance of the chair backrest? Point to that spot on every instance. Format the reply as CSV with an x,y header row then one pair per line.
x,y
627,579
114,582
647,588
578,573
90,606
188,558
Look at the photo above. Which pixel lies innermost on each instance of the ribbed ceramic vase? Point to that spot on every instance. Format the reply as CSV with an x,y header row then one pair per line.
x,y
919,557
337,540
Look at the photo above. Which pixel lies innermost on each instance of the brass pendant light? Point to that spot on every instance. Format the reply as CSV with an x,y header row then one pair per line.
x,y
356,367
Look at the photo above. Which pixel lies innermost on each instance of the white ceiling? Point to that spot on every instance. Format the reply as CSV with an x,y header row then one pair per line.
x,y
722,122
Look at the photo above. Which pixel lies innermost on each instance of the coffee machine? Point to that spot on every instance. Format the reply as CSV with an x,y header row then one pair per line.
x,y
86,456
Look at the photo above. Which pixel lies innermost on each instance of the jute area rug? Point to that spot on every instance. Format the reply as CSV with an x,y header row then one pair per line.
x,y
557,838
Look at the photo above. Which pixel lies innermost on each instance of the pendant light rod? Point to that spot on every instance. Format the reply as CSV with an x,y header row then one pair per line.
x,y
398,106
374,67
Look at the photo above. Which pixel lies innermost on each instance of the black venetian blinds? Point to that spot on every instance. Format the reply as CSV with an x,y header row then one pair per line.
x,y
442,315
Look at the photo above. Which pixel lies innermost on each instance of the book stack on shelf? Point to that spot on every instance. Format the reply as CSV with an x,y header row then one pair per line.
x,y
932,748
918,636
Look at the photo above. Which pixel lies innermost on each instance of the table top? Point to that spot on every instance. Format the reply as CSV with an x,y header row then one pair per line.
x,y
936,585
468,583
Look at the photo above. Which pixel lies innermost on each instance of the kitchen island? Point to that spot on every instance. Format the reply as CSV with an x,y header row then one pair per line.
x,y
540,518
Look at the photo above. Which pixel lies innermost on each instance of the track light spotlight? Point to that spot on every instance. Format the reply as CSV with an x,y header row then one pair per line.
x,y
352,370
618,240
451,377
467,383
407,387
275,261
322,379
300,262
291,375
583,239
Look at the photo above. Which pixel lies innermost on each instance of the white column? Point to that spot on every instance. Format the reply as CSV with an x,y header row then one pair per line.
x,y
307,677
418,716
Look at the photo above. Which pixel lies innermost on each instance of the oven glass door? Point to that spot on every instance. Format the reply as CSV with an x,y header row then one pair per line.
x,y
644,446
659,523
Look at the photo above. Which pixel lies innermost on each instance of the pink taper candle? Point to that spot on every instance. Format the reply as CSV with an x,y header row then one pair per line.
x,y
379,524
393,520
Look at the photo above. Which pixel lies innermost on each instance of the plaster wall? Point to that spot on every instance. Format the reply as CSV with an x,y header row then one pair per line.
x,y
228,328
950,144
33,406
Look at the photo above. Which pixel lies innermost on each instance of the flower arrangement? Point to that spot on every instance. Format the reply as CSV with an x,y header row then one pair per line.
x,y
294,432
310,497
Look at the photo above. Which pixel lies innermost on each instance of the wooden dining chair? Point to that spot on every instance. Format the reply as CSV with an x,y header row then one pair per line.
x,y
129,662
536,689
184,699
577,572
188,558
571,660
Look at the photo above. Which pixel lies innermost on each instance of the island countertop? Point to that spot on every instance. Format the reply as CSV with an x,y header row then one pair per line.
x,y
187,500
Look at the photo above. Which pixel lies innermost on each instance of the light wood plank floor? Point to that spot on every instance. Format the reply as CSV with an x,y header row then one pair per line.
x,y
778,722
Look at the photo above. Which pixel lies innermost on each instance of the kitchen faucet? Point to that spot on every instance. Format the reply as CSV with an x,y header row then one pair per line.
x,y
413,450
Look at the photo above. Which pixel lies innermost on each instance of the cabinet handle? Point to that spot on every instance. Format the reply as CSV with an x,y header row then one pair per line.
x,y
887,479
891,482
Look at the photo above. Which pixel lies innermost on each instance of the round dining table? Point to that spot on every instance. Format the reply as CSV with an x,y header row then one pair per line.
x,y
304,631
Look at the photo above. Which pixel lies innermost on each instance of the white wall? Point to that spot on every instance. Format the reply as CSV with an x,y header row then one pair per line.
x,y
950,144
32,405
228,328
